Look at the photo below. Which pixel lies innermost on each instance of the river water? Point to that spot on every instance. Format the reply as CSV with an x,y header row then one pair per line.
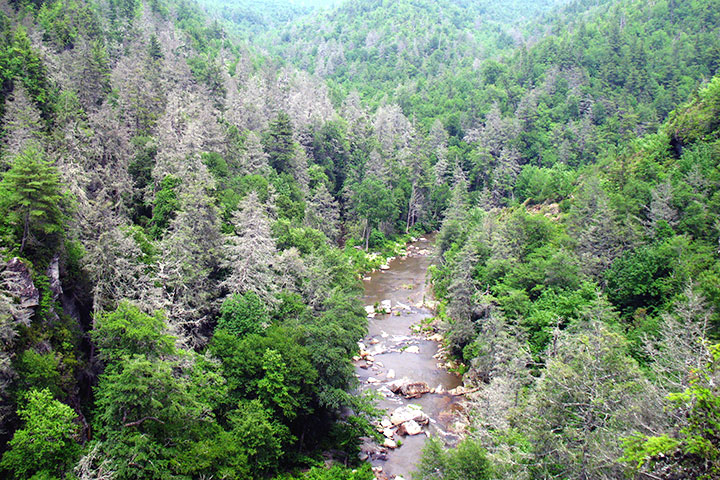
x,y
394,346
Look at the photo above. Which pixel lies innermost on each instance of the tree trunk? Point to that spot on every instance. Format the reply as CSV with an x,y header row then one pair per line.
x,y
26,229
367,236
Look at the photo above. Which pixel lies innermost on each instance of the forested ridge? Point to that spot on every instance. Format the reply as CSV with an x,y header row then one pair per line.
x,y
191,194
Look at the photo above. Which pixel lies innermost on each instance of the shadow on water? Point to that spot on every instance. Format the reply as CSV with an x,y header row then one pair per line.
x,y
396,349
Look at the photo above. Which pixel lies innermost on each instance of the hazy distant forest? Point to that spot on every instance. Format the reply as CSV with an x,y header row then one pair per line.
x,y
191,192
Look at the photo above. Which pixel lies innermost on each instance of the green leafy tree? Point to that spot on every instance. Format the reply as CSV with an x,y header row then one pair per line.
x,y
128,331
466,462
374,203
243,314
261,438
31,197
146,411
693,449
166,206
46,445
283,379
336,472
39,371
272,387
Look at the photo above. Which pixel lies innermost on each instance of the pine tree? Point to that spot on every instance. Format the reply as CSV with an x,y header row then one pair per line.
x,y
31,198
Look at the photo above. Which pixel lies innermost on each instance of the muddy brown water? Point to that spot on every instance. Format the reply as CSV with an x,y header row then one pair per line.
x,y
404,284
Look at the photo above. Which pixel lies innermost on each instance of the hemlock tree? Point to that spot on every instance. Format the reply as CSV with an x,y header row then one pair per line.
x,y
192,255
589,397
691,448
254,160
118,269
22,125
279,144
251,252
31,199
323,213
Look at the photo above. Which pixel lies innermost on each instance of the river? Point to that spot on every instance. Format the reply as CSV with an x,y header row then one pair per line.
x,y
394,348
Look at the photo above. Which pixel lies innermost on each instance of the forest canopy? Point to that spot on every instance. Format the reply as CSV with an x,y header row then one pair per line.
x,y
191,193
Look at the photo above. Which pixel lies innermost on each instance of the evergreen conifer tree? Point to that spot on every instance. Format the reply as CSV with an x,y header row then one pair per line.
x,y
31,199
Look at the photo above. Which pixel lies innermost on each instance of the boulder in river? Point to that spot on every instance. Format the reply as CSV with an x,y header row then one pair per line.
x,y
415,389
411,427
386,306
412,349
406,414
396,385
457,391
389,443
391,374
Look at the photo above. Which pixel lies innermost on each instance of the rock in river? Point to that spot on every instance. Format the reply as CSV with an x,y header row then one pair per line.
x,y
389,443
406,414
415,389
411,427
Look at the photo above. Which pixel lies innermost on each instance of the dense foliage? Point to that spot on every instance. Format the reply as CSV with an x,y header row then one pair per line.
x,y
184,221
611,296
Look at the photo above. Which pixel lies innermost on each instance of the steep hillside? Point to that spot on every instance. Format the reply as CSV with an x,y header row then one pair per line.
x,y
378,47
248,18
159,278
184,222
594,315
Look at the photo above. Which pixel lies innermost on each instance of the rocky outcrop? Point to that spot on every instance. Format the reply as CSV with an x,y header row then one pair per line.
x,y
53,274
19,284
